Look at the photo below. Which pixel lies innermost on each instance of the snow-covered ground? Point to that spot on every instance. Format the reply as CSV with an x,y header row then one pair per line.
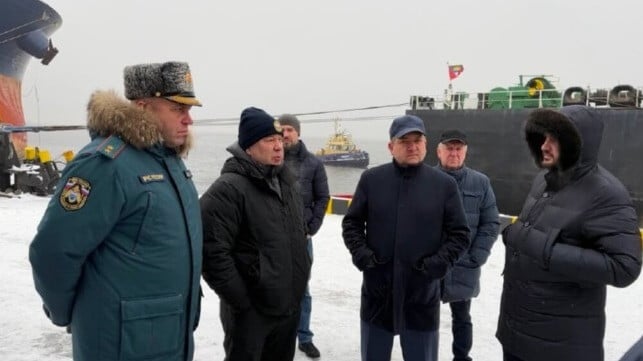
x,y
26,334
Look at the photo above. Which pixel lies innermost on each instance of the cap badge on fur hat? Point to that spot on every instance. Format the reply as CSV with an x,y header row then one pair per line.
x,y
171,80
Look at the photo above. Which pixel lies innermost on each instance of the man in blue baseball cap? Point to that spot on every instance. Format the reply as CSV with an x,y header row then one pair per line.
x,y
405,228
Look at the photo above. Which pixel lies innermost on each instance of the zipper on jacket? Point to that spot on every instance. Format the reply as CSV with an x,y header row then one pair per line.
x,y
148,205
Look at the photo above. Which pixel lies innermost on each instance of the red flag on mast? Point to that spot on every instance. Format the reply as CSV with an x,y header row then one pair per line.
x,y
455,71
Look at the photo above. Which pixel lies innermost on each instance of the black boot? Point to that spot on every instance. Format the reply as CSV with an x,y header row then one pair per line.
x,y
309,349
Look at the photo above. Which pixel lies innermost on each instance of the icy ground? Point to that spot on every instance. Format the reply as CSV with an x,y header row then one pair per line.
x,y
26,334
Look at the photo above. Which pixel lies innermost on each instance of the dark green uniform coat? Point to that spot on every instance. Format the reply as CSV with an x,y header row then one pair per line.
x,y
118,252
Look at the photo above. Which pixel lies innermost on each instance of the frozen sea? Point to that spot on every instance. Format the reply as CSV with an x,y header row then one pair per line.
x,y
211,139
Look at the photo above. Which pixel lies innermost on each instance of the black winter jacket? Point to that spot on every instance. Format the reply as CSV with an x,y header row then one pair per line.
x,y
479,201
577,233
254,247
405,228
313,185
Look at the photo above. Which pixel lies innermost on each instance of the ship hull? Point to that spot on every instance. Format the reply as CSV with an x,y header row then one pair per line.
x,y
25,27
353,160
498,149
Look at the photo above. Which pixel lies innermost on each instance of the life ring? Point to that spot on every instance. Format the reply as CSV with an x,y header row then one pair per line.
x,y
623,96
534,86
575,96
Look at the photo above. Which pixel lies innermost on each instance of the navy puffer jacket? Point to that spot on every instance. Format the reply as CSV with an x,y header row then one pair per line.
x,y
479,201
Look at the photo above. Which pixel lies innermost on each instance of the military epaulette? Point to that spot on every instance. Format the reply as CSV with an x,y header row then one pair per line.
x,y
111,147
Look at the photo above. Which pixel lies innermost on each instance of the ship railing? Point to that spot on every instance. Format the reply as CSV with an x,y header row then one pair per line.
x,y
621,96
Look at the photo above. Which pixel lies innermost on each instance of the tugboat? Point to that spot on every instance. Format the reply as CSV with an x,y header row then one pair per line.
x,y
341,151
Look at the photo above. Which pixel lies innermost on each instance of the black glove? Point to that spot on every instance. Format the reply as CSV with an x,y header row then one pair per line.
x,y
432,267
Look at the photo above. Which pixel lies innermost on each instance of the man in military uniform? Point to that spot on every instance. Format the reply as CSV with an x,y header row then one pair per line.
x,y
132,263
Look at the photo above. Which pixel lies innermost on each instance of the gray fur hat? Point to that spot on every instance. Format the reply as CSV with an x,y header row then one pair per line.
x,y
171,80
289,119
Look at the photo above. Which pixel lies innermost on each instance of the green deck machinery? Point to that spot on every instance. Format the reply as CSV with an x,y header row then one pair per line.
x,y
538,92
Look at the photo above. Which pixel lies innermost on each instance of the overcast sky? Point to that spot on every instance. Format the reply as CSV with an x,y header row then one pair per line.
x,y
304,56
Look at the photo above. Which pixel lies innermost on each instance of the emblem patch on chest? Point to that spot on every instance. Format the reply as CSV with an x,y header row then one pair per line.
x,y
75,193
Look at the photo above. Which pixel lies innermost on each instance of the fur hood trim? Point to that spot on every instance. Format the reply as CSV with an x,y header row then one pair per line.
x,y
547,121
109,114
579,130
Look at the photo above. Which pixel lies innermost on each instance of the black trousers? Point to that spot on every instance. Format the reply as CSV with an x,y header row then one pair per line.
x,y
250,336
462,330
509,357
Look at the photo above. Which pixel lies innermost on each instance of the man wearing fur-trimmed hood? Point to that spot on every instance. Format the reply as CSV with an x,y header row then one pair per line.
x,y
126,279
577,233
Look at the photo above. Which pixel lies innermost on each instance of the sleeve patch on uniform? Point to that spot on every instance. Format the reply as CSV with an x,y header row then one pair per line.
x,y
74,194
151,178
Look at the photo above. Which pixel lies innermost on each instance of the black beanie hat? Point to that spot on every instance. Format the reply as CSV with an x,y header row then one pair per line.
x,y
255,124
289,119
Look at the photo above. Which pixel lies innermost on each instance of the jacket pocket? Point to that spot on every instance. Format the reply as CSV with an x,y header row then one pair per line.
x,y
471,201
151,327
421,288
248,262
461,284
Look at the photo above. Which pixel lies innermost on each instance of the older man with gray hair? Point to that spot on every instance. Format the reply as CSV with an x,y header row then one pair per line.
x,y
463,282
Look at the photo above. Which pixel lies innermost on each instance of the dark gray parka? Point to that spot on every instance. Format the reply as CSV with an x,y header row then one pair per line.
x,y
479,201
577,233
313,185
